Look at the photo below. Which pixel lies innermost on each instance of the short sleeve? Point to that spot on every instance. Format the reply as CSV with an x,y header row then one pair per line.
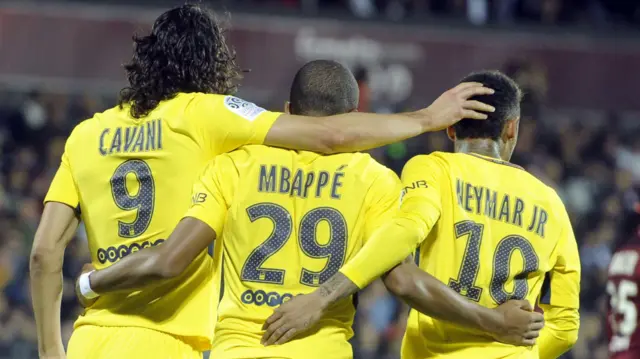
x,y
383,200
229,122
213,192
561,287
63,188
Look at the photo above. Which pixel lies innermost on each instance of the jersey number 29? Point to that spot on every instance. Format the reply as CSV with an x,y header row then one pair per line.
x,y
334,250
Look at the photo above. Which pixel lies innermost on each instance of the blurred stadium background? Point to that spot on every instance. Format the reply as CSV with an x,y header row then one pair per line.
x,y
576,59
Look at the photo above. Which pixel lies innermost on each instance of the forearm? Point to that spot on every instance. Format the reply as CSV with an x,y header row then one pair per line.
x,y
45,271
363,131
132,272
560,332
46,297
389,245
348,132
431,297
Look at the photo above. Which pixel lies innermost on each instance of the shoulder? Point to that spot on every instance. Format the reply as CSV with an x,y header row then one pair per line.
x,y
225,105
374,171
432,164
87,129
223,164
247,153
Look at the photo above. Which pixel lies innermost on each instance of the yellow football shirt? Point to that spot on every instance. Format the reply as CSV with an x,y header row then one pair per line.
x,y
287,221
131,180
489,230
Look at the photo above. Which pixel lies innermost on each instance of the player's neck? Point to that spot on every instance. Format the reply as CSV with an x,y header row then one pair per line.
x,y
483,147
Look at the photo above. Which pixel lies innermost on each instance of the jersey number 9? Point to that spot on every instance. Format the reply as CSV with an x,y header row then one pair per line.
x,y
334,250
142,201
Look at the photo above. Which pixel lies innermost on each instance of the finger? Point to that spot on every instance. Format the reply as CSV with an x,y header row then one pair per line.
x,y
473,115
531,334
529,342
466,85
478,106
272,319
536,326
537,317
476,91
270,331
277,334
287,336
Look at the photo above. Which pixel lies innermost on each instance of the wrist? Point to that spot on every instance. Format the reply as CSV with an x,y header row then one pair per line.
x,y
84,284
491,321
424,118
324,300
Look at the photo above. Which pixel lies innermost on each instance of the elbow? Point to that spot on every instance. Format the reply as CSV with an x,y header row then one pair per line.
x,y
42,260
399,282
335,140
168,272
168,269
572,338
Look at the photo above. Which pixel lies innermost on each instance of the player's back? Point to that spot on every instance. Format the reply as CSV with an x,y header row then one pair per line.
x,y
624,301
134,178
496,238
294,220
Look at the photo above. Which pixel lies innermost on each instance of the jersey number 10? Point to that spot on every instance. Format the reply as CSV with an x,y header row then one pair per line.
x,y
334,250
465,284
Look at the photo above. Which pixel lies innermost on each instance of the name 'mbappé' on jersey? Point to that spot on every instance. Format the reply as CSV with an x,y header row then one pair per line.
x,y
286,222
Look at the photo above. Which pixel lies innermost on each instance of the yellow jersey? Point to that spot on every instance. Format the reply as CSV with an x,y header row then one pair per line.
x,y
131,181
492,232
286,222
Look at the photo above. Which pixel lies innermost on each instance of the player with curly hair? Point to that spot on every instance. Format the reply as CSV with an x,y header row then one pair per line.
x,y
127,173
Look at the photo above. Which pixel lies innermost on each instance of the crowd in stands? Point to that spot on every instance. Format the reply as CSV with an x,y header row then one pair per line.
x,y
599,12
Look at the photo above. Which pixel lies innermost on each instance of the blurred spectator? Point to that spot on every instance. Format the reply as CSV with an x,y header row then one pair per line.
x,y
591,163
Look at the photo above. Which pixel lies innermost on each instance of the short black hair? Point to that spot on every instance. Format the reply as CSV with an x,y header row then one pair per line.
x,y
185,52
323,88
506,101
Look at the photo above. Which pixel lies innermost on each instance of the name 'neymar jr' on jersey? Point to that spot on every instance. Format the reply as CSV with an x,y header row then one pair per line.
x,y
484,226
127,173
285,222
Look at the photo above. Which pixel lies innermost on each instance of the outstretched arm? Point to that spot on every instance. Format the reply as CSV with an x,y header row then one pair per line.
x,y
56,229
168,260
361,131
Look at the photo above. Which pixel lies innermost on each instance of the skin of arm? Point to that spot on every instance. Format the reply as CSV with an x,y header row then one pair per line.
x,y
55,231
361,131
190,238
513,322
429,296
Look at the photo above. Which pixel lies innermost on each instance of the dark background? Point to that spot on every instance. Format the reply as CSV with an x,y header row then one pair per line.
x,y
576,60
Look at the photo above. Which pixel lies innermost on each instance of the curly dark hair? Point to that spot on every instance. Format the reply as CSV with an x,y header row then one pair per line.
x,y
185,52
